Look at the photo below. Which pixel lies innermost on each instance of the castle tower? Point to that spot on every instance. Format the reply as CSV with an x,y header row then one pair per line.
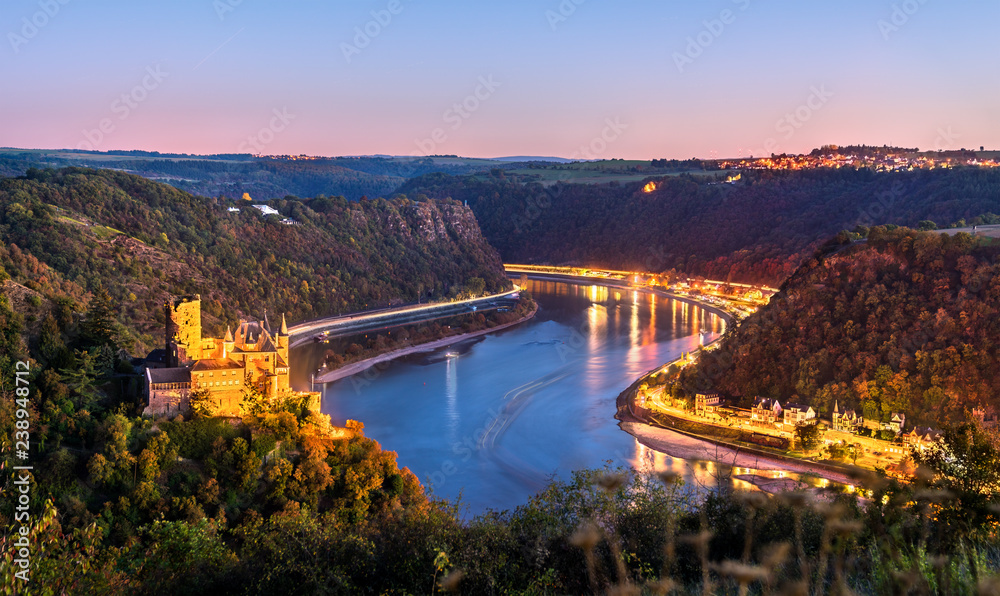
x,y
228,343
282,337
281,345
183,337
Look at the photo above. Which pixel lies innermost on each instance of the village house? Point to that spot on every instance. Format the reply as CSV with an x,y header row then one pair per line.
x,y
846,421
896,422
706,403
796,414
921,437
765,411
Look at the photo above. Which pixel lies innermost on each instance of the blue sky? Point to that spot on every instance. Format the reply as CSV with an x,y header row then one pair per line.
x,y
595,79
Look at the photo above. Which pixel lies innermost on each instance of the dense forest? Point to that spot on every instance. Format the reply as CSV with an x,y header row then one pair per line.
x,y
757,229
905,321
66,234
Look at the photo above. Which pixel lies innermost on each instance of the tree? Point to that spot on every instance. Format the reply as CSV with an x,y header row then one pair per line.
x,y
837,450
966,463
475,286
807,436
854,451
82,380
202,404
886,435
100,327
926,225
50,342
252,399
184,558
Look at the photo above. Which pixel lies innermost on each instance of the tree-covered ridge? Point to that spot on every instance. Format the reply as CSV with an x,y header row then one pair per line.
x,y
906,322
264,178
65,233
759,228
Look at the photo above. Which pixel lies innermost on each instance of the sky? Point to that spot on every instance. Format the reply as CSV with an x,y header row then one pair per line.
x,y
572,78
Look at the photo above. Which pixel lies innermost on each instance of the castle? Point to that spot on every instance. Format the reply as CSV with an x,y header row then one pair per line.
x,y
249,358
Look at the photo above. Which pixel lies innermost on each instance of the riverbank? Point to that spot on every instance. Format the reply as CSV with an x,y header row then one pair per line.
x,y
300,331
684,446
688,445
363,365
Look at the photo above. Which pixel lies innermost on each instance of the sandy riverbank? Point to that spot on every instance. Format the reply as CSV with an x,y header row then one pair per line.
x,y
363,365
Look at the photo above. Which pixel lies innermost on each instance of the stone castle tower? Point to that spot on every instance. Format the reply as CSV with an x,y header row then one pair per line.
x,y
183,341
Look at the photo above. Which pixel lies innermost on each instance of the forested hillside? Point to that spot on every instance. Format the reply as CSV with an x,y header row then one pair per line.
x,y
263,178
67,233
759,228
906,322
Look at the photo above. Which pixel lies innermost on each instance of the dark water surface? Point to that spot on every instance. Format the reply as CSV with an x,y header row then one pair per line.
x,y
495,417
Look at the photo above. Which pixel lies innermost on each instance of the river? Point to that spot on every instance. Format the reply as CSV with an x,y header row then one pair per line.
x,y
494,418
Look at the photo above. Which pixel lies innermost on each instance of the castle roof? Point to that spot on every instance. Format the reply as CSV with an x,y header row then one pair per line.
x,y
251,336
216,364
168,375
229,335
284,325
266,345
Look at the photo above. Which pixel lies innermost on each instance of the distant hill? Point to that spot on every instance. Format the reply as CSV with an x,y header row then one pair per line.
x,y
907,322
758,228
534,158
262,177
66,233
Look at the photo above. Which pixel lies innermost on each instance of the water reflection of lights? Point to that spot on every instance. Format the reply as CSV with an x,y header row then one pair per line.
x,y
451,395
652,317
705,474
